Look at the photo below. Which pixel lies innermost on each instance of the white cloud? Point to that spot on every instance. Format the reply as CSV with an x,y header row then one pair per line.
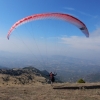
x,y
84,46
72,46
95,33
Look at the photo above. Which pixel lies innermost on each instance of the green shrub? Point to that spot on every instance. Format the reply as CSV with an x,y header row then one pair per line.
x,y
80,81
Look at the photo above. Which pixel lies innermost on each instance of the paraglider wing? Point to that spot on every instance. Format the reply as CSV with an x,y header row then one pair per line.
x,y
66,17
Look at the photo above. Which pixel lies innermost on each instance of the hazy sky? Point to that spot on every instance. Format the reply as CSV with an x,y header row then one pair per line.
x,y
50,35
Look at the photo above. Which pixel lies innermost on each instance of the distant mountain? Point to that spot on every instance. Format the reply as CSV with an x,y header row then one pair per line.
x,y
68,69
20,71
45,72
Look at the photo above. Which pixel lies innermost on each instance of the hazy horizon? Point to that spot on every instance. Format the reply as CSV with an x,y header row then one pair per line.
x,y
50,36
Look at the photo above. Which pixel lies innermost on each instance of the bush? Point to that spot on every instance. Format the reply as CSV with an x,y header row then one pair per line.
x,y
6,78
80,81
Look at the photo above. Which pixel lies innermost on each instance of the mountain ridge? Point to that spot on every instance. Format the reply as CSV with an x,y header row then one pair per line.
x,y
26,75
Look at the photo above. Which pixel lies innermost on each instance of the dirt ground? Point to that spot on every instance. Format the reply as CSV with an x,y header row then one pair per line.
x,y
46,92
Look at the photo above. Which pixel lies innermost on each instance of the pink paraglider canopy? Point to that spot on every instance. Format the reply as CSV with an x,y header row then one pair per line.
x,y
69,18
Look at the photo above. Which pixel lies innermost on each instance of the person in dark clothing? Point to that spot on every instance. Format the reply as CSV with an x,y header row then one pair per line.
x,y
52,78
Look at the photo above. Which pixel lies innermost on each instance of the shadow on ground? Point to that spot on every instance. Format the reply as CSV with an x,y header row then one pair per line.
x,y
77,87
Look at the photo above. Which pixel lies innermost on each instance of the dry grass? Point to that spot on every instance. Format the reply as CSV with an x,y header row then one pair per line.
x,y
39,91
14,80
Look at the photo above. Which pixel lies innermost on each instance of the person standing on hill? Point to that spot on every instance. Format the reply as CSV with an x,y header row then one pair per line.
x,y
52,78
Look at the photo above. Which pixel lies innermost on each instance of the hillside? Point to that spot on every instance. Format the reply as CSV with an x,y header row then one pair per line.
x,y
27,75
30,83
69,69
22,76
